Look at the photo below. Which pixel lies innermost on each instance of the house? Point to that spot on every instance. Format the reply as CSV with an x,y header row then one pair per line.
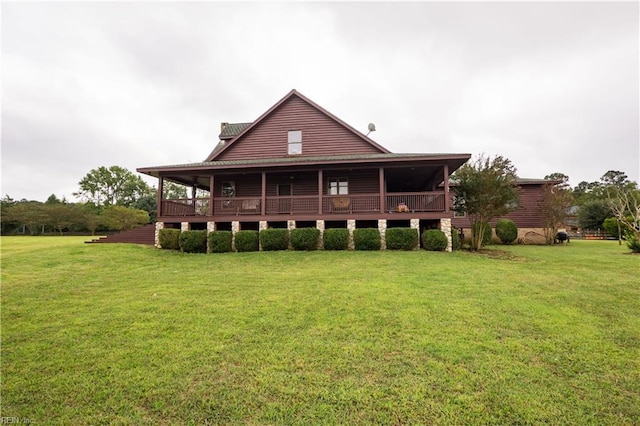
x,y
298,165
527,216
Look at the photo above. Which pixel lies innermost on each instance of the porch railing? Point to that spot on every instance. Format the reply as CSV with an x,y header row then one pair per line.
x,y
185,207
307,204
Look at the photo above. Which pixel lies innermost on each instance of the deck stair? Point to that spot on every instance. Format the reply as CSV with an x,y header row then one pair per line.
x,y
143,235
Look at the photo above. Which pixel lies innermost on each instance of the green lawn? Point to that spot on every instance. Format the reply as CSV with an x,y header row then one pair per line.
x,y
126,334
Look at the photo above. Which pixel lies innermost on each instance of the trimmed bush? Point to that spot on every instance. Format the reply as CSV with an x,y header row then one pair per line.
x,y
402,238
193,241
506,230
434,240
220,241
169,239
366,239
456,244
305,238
336,239
633,242
247,240
486,239
274,239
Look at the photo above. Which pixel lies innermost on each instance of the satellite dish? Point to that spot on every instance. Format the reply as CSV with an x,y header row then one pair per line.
x,y
372,128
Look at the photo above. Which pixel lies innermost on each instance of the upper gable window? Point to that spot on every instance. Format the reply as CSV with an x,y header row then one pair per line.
x,y
295,142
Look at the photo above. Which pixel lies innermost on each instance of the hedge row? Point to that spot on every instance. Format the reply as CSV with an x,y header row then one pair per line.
x,y
301,239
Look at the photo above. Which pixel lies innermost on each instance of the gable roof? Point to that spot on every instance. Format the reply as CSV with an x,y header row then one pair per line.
x,y
220,148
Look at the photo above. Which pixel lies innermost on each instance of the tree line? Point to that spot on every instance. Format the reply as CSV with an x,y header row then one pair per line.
x,y
112,199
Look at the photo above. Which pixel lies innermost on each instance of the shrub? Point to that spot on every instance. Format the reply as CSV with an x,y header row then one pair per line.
x,y
336,239
434,240
274,239
456,244
193,241
506,230
169,239
220,241
247,240
486,238
402,238
633,242
366,239
305,238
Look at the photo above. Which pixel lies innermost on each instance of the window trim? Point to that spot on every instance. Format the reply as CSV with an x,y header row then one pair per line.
x,y
294,142
338,187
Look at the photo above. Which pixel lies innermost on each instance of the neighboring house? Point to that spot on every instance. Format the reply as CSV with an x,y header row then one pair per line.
x,y
298,165
527,216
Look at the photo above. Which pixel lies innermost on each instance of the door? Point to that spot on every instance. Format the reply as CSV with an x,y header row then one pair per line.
x,y
284,202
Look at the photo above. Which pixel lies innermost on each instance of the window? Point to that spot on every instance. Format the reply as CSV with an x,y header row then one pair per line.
x,y
228,189
338,186
295,142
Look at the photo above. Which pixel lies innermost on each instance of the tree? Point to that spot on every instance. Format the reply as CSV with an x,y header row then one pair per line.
x,y
173,191
8,223
30,214
112,186
623,198
53,199
121,218
555,203
592,214
61,216
485,188
148,203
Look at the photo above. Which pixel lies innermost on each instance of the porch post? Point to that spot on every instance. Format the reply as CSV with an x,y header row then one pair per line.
x,y
160,191
263,202
383,194
211,188
447,201
320,179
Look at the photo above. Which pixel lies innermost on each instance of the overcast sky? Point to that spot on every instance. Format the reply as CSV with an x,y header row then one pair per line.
x,y
552,86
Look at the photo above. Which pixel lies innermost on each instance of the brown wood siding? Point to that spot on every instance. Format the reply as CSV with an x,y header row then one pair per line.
x,y
360,181
321,135
301,183
246,185
527,216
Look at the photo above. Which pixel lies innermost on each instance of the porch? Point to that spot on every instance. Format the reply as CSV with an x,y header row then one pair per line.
x,y
322,205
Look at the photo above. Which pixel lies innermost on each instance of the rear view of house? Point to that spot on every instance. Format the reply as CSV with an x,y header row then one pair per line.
x,y
298,165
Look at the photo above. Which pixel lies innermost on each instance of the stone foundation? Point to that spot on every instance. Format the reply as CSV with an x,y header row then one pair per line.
x,y
445,226
159,226
382,227
351,226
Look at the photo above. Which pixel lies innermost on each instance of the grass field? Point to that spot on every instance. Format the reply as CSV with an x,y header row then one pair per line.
x,y
126,334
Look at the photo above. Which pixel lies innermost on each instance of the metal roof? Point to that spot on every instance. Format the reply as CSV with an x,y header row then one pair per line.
x,y
328,160
231,130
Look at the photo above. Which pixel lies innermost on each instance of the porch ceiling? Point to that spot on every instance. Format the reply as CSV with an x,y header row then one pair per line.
x,y
420,166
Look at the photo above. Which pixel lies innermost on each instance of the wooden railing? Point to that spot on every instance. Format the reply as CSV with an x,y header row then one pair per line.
x,y
416,201
185,207
308,204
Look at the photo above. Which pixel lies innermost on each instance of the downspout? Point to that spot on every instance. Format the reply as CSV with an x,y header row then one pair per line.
x,y
263,202
160,191
211,189
320,189
383,192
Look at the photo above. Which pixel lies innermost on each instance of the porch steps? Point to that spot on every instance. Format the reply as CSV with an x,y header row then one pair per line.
x,y
143,235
